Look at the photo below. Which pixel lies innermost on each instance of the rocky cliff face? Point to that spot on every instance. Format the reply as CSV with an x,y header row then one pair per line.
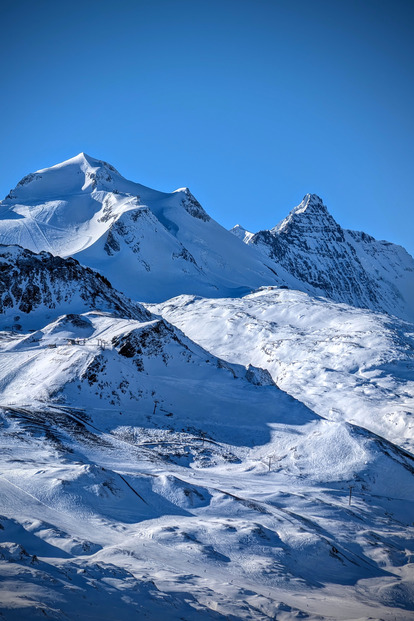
x,y
43,284
345,266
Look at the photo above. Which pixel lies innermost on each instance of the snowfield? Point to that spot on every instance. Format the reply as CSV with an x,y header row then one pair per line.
x,y
245,455
344,363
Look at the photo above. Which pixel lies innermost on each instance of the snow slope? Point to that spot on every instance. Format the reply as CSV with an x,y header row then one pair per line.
x,y
225,458
345,266
187,488
342,362
149,244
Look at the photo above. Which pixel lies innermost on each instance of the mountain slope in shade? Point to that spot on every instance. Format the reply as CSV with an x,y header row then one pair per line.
x,y
345,266
151,245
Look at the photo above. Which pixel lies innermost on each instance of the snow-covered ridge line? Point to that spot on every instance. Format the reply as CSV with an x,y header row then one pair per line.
x,y
168,243
149,244
345,266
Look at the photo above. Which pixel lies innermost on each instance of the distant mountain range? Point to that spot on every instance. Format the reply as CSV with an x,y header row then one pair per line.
x,y
152,245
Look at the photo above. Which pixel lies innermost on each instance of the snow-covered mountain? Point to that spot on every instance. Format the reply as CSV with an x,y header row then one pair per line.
x,y
36,287
140,475
149,244
153,245
344,363
345,266
241,458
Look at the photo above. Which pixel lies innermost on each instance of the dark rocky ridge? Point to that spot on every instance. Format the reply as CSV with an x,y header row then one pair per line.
x,y
32,282
345,266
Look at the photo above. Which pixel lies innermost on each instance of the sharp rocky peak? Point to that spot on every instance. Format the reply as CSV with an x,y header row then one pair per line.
x,y
311,202
311,213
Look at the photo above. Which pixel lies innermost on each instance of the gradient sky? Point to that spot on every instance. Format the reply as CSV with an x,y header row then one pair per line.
x,y
250,103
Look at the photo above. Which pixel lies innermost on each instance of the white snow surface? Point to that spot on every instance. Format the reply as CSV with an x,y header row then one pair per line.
x,y
143,476
150,245
237,458
344,363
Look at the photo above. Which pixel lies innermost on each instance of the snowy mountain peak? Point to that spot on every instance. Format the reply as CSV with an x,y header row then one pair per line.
x,y
342,265
192,206
150,244
81,173
185,190
312,200
311,204
242,233
308,213
86,161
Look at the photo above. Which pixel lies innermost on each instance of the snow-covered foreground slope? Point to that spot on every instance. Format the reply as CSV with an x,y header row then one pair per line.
x,y
345,266
151,245
143,477
151,472
343,363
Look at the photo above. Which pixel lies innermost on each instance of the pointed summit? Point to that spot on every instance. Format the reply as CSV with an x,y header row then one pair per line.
x,y
311,201
81,173
311,213
83,159
242,233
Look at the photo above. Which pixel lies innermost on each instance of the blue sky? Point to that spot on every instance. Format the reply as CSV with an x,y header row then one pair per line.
x,y
250,103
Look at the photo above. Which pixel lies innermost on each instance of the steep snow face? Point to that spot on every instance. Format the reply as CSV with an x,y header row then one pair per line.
x,y
342,265
36,287
166,243
344,363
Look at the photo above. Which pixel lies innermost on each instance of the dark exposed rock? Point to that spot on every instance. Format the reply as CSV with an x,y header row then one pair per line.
x,y
312,247
193,207
30,281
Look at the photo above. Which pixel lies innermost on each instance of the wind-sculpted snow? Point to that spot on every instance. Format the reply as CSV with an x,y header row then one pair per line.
x,y
345,266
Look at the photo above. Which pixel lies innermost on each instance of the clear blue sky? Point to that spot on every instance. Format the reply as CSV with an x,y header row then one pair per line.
x,y
250,103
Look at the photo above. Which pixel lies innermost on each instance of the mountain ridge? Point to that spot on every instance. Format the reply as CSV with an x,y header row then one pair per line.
x,y
242,457
345,266
167,243
154,245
